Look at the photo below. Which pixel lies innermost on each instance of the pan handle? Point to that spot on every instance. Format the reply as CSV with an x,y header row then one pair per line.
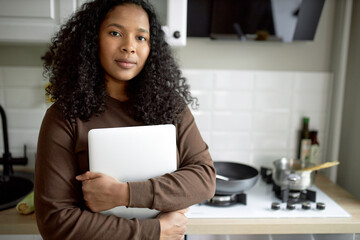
x,y
222,177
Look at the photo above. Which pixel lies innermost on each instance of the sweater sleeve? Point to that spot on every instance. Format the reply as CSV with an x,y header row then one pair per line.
x,y
60,211
193,182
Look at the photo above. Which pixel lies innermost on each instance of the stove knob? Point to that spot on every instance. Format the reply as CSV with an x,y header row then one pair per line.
x,y
275,206
290,206
306,205
320,206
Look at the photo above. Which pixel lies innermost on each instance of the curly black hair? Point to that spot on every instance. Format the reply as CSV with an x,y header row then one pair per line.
x,y
158,94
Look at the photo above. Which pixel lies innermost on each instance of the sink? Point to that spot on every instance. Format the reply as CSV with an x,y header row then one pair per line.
x,y
14,188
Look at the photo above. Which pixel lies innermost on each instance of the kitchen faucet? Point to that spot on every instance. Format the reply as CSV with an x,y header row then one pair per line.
x,y
7,160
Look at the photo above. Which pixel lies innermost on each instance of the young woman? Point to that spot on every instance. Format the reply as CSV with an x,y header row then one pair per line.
x,y
110,66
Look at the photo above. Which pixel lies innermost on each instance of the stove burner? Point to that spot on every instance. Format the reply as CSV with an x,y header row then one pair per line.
x,y
294,196
222,200
287,194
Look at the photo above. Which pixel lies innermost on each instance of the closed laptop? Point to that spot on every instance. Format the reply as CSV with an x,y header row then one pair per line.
x,y
133,154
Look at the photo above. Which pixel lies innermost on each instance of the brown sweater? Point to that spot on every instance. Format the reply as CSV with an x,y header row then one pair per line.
x,y
63,154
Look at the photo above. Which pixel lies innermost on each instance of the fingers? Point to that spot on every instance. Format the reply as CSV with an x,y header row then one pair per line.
x,y
183,211
88,175
173,225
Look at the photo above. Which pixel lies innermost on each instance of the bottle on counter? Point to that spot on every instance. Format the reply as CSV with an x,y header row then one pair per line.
x,y
304,141
315,148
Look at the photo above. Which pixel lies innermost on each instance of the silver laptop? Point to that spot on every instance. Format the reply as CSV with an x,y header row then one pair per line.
x,y
133,154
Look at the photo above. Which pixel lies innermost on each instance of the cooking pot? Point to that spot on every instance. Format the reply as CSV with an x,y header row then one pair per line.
x,y
288,173
234,178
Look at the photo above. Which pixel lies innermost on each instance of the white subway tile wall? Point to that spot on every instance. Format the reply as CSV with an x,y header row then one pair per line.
x,y
2,88
254,117
250,117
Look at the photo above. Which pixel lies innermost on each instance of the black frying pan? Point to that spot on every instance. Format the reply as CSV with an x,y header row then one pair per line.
x,y
240,177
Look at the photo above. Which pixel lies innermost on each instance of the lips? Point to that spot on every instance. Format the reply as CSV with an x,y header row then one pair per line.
x,y
125,63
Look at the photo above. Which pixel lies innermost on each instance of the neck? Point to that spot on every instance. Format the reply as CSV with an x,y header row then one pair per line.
x,y
117,90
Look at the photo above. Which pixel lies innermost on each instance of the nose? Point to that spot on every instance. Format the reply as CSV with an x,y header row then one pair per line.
x,y
128,45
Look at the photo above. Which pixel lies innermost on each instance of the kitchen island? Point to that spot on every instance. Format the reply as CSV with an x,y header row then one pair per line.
x,y
13,223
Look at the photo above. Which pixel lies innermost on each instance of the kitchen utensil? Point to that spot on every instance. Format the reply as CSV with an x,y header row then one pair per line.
x,y
222,177
287,173
235,177
320,166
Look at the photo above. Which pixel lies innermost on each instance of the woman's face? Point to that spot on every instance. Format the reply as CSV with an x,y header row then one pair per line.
x,y
124,43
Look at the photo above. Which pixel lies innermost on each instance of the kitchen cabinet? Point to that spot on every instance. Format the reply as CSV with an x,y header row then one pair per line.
x,y
36,21
13,223
33,21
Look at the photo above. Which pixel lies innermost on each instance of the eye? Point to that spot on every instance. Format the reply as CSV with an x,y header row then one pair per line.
x,y
115,34
141,38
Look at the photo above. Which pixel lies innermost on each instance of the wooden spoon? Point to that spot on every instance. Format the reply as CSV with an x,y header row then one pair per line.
x,y
320,166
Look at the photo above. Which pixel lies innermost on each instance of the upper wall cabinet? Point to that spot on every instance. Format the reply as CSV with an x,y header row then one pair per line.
x,y
33,21
36,21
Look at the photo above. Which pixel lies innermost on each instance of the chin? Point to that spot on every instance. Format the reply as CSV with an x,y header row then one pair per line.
x,y
123,78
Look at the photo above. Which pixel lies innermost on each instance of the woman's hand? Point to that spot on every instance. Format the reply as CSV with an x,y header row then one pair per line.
x,y
102,192
173,224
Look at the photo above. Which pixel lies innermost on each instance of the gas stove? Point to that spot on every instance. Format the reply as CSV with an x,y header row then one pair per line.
x,y
262,202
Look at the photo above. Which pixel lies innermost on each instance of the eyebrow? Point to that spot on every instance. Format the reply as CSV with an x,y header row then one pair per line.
x,y
122,27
